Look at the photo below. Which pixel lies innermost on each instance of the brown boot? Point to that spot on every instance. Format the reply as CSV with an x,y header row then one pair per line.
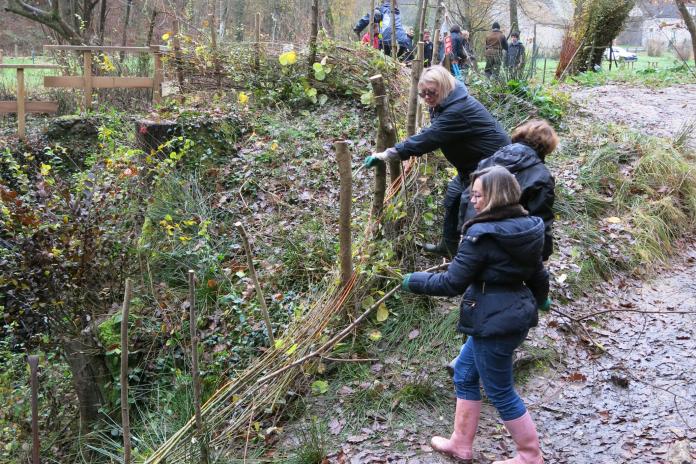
x,y
459,445
524,434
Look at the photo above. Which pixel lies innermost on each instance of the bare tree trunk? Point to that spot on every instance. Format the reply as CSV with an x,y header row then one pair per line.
x,y
240,20
514,22
102,21
416,69
418,30
151,29
436,32
327,18
126,20
89,377
313,37
690,25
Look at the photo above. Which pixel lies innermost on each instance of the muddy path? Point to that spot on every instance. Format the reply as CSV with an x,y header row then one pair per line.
x,y
662,112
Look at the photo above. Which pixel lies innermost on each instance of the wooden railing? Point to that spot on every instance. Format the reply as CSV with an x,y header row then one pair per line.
x,y
21,106
88,82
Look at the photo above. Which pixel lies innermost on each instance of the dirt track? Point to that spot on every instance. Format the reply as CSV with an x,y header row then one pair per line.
x,y
661,112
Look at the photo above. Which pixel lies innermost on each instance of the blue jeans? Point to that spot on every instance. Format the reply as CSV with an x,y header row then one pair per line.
x,y
489,361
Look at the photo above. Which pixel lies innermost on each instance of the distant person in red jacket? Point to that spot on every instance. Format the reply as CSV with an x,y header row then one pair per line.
x,y
375,36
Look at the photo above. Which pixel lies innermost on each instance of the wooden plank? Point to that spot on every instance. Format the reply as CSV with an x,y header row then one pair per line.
x,y
87,102
100,82
29,66
70,82
107,82
21,115
29,107
87,48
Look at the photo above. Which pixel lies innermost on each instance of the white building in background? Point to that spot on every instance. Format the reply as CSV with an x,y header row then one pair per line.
x,y
660,22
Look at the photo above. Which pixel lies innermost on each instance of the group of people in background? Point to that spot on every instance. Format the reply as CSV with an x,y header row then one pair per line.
x,y
455,50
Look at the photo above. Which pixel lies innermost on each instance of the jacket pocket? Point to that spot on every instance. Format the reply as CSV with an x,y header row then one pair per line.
x,y
467,314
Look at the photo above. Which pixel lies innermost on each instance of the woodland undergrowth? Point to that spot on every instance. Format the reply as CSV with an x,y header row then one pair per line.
x,y
260,152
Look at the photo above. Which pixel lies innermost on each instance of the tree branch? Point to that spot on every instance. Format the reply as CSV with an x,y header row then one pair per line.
x,y
51,19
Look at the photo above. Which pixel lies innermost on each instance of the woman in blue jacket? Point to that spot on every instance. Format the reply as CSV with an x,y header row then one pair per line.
x,y
499,270
466,133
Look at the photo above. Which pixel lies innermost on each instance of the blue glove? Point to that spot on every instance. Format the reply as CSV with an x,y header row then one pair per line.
x,y
372,161
404,283
546,305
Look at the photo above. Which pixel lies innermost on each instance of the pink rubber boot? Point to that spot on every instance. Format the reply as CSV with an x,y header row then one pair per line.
x,y
524,434
459,445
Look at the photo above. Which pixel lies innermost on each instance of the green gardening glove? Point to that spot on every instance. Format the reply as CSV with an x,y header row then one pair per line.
x,y
546,305
372,161
404,283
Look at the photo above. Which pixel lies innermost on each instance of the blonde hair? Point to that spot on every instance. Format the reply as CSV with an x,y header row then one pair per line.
x,y
442,79
500,188
538,134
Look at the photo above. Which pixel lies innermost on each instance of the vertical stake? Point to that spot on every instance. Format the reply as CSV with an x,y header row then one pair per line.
x,y
36,445
394,48
194,366
125,419
157,84
371,25
87,86
255,279
21,114
345,200
257,41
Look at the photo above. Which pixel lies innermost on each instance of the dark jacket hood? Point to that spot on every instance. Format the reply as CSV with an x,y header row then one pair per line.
x,y
520,237
459,93
514,158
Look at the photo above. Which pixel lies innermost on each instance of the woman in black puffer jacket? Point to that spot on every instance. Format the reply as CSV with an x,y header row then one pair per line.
x,y
525,158
499,270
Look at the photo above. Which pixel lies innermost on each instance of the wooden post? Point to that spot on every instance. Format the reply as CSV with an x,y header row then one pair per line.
x,y
371,25
534,50
254,278
21,98
386,135
257,40
345,200
177,54
87,76
416,69
393,30
423,18
1,52
440,12
157,84
195,375
125,419
36,444
543,78
313,38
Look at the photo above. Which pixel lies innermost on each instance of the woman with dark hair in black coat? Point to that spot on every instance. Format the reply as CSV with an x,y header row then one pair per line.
x,y
499,270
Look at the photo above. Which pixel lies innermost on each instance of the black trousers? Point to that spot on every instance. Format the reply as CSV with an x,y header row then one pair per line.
x,y
455,208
